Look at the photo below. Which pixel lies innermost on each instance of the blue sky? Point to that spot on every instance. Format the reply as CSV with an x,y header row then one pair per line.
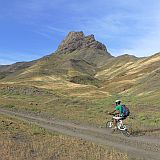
x,y
30,29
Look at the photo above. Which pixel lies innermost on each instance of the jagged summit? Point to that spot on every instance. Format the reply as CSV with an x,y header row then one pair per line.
x,y
77,40
88,56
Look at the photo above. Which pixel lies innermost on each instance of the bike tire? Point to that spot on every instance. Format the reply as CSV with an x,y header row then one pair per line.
x,y
109,124
126,133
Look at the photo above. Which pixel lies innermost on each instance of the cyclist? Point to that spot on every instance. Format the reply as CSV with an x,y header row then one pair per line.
x,y
118,112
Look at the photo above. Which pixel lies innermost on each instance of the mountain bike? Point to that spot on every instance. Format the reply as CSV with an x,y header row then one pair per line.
x,y
120,126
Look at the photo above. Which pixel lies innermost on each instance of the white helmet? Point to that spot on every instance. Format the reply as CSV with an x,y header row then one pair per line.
x,y
117,101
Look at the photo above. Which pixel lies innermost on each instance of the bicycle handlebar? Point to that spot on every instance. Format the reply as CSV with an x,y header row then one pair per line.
x,y
113,114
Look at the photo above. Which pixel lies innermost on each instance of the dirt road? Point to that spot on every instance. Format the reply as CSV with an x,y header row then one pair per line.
x,y
141,147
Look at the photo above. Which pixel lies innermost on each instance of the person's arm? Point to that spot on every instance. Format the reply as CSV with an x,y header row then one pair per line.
x,y
112,112
115,110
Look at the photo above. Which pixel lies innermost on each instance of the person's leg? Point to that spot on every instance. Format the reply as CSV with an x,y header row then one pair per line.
x,y
115,122
123,118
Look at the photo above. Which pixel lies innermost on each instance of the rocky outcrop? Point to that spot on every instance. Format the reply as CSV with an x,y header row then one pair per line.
x,y
23,90
77,40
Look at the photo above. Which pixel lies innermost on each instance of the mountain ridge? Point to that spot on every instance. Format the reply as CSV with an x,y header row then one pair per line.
x,y
77,52
76,63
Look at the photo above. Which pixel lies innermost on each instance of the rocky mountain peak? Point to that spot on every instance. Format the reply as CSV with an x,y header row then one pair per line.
x,y
77,40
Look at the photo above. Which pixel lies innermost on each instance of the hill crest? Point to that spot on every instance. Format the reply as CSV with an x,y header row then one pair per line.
x,y
77,41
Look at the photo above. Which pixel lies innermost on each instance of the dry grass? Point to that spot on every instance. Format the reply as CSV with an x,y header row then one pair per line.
x,y
22,141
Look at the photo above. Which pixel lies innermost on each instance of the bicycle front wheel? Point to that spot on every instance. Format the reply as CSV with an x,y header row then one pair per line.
x,y
109,124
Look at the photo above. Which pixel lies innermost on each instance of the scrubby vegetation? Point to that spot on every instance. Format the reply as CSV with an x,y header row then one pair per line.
x,y
87,80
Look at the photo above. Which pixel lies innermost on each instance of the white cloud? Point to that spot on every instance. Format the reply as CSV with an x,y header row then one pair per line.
x,y
6,62
43,34
147,45
56,29
8,57
132,31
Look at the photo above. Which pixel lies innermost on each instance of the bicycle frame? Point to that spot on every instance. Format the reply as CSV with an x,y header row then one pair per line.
x,y
119,124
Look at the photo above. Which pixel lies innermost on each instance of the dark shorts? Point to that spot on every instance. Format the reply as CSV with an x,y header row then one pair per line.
x,y
124,117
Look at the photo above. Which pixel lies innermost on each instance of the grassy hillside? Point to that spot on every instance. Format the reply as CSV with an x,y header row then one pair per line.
x,y
124,74
134,80
79,104
79,62
81,80
6,70
129,75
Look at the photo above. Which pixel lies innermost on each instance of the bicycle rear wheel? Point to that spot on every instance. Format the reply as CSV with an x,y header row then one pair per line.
x,y
127,131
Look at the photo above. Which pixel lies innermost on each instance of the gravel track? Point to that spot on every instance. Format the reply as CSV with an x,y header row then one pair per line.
x,y
142,147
